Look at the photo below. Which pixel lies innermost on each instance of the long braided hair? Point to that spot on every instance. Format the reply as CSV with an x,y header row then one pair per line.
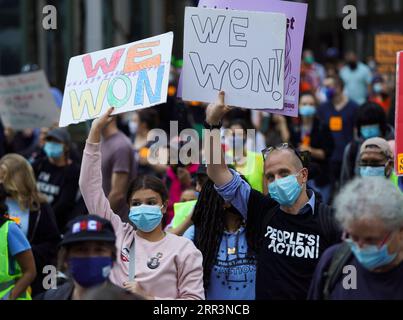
x,y
209,222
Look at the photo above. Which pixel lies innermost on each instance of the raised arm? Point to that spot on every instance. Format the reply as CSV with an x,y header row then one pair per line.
x,y
228,184
91,174
217,170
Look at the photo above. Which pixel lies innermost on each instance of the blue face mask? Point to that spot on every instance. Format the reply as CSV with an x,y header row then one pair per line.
x,y
307,111
90,271
285,190
145,217
372,257
377,87
370,131
372,171
329,92
309,60
53,149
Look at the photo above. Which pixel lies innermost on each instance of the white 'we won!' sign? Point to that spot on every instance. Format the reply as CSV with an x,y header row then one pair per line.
x,y
240,52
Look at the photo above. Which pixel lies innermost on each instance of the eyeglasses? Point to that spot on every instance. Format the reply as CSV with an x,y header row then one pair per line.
x,y
347,238
304,156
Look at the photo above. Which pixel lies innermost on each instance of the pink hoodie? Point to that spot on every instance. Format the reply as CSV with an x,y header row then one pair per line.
x,y
180,273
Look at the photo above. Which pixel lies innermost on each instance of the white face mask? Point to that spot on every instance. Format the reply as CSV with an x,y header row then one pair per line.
x,y
133,126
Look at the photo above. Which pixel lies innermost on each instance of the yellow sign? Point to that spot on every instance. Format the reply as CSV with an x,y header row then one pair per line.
x,y
400,163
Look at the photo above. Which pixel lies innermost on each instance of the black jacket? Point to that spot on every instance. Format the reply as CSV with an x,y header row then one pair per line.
x,y
44,237
321,138
63,292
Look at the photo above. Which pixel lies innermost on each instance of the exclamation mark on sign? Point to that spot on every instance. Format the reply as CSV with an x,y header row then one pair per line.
x,y
278,65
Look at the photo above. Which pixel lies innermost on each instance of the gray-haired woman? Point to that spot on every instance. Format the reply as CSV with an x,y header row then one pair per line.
x,y
369,264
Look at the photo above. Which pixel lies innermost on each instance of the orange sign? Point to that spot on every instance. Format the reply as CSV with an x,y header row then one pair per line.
x,y
386,47
336,123
306,141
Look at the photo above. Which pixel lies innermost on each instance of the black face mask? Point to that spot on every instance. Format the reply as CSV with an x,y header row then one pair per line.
x,y
352,65
384,95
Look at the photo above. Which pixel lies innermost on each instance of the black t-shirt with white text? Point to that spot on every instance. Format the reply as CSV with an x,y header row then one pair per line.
x,y
291,246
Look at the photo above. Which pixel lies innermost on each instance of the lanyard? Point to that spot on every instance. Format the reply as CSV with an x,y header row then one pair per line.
x,y
132,270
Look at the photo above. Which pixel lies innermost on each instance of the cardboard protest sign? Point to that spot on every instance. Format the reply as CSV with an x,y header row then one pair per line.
x,y
181,211
26,101
296,18
224,50
399,116
386,47
127,77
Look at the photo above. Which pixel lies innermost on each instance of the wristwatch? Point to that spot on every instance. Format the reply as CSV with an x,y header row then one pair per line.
x,y
211,127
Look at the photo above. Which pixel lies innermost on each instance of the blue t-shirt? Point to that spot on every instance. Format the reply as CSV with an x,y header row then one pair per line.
x,y
356,82
341,124
17,243
15,212
233,276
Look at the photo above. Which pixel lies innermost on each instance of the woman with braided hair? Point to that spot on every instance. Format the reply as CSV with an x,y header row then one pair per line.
x,y
220,233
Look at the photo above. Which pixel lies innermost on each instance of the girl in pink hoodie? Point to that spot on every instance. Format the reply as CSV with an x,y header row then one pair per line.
x,y
150,262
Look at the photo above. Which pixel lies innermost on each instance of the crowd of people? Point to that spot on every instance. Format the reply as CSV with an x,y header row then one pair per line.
x,y
306,197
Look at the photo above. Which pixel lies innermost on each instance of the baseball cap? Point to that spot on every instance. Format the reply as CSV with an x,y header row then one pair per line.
x,y
377,143
59,134
88,228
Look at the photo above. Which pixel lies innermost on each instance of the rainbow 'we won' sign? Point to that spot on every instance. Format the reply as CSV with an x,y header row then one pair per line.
x,y
127,77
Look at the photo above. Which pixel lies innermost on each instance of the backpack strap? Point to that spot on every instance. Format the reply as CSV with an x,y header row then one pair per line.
x,y
35,228
333,273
